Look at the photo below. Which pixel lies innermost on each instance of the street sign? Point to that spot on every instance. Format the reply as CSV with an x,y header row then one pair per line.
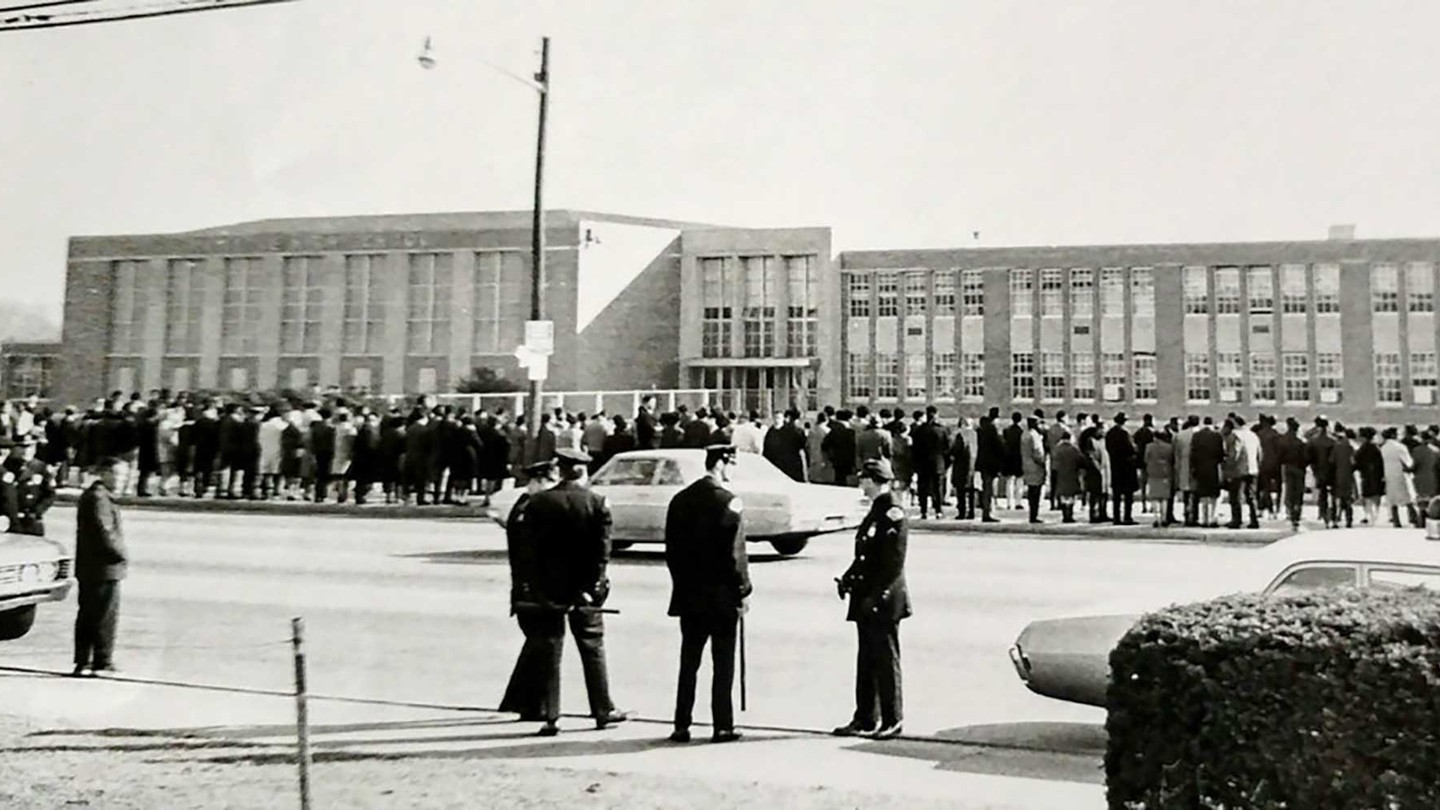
x,y
538,367
540,337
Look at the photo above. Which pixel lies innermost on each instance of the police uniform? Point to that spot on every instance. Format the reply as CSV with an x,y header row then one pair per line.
x,y
9,492
879,600
522,694
32,490
709,572
570,526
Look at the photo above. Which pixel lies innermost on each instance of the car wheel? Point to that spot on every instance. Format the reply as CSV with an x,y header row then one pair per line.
x,y
621,545
790,546
16,623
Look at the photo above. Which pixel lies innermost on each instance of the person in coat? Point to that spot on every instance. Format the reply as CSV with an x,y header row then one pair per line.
x,y
1398,464
818,470
1207,454
1014,467
671,434
784,446
272,430
1342,456
1426,476
1124,476
1294,458
710,582
571,527
929,456
989,462
365,455
1184,485
100,564
879,600
392,453
839,449
292,452
1320,452
521,693
322,451
147,451
901,464
1235,473
1069,465
697,431
1370,469
872,443
1271,478
419,447
962,469
32,486
1160,477
620,440
647,432
206,440
1032,466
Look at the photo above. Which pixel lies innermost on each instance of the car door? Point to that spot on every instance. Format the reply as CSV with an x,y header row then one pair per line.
x,y
628,484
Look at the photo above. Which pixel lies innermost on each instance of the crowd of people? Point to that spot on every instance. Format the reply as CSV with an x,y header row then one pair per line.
x,y
1181,471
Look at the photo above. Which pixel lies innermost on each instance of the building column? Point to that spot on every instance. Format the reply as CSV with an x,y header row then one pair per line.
x,y
1170,341
997,338
462,319
1358,342
272,285
213,314
397,293
151,284
332,323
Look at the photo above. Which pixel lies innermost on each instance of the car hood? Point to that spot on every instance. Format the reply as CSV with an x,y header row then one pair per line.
x,y
22,548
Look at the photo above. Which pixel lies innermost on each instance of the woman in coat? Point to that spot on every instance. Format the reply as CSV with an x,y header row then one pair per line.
x,y
1160,477
1070,465
1398,464
1370,467
1032,466
1342,455
901,463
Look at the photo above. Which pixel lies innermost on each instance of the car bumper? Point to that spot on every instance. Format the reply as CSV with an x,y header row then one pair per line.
x,y
56,591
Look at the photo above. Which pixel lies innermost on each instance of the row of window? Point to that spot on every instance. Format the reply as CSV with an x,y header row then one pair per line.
x,y
238,379
965,378
499,281
882,292
1077,293
760,276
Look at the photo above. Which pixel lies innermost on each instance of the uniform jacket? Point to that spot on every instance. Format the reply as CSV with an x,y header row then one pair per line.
x,y
571,527
705,551
929,447
785,448
100,554
876,578
34,491
520,551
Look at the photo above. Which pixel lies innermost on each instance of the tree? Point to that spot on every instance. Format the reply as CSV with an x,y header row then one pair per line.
x,y
486,380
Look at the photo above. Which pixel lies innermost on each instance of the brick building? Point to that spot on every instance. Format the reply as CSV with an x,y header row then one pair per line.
x,y
1343,326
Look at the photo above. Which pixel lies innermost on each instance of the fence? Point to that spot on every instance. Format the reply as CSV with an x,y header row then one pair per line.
x,y
613,402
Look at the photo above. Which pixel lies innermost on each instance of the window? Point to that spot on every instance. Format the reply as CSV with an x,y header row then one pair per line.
x,y
1196,291
299,378
1112,292
1327,288
1229,376
917,294
1022,284
127,314
1260,290
240,317
1052,375
803,310
858,288
1420,287
1197,377
1262,377
239,378
1387,378
1022,375
180,379
1052,293
972,292
887,375
887,295
944,293
1329,371
499,275
915,379
428,323
944,374
1082,294
627,472
1296,369
302,307
425,380
972,375
360,380
715,309
1293,296
1423,377
1142,292
1402,580
28,375
185,306
1385,288
1112,376
857,372
1145,376
365,304
759,311
669,475
1313,578
1082,376
1227,290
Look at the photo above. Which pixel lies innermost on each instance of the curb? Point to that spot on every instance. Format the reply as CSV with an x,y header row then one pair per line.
x,y
381,510
1085,531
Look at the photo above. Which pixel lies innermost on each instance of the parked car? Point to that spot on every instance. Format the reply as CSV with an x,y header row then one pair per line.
x,y
778,510
1069,658
32,570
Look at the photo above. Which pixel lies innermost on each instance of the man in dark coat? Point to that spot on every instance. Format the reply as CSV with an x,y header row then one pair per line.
x,y
1014,459
839,447
571,527
709,573
1320,452
1068,463
1293,458
33,488
147,429
1270,473
879,600
100,565
1142,438
1207,454
785,446
671,434
698,430
365,456
647,434
322,451
989,462
206,438
419,447
1124,473
929,449
522,694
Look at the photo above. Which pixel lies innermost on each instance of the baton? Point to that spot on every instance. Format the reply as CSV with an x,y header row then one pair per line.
x,y
742,662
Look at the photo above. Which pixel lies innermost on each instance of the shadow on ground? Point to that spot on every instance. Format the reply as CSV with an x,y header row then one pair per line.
x,y
1067,752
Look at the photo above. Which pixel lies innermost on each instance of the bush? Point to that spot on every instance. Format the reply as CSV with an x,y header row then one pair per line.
x,y
1320,700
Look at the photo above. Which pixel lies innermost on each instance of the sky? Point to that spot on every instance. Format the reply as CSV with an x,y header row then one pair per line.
x,y
897,124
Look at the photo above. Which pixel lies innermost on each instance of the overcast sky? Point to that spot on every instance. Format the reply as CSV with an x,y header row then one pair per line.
x,y
898,124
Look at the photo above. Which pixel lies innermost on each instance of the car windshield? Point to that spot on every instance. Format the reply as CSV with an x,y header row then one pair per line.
x,y
754,469
627,472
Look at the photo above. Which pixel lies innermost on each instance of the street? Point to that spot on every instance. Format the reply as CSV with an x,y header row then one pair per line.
x,y
417,611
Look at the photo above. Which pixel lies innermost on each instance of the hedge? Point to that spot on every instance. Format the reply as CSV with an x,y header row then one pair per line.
x,y
1329,699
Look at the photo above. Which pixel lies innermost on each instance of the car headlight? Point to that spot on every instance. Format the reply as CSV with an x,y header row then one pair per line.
x,y
49,571
30,572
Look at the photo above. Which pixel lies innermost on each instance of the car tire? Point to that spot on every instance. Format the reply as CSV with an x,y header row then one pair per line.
x,y
621,545
16,623
790,546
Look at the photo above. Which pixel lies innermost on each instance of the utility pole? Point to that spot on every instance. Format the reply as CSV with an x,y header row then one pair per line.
x,y
537,240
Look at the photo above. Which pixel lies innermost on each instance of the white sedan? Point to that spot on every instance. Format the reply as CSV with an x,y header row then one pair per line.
x,y
778,510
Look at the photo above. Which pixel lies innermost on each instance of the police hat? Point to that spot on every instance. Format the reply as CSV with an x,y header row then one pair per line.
x,y
570,456
540,469
877,470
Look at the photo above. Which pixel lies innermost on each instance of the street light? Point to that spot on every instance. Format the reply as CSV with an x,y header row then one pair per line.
x,y
541,85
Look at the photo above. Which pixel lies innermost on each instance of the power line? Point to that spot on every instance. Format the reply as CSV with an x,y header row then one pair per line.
x,y
36,22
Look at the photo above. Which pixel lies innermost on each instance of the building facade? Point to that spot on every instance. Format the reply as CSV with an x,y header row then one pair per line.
x,y
27,369
1342,327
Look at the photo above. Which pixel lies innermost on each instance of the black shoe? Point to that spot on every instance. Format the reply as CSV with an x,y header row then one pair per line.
x,y
611,719
889,732
851,729
680,735
548,730
988,519
724,735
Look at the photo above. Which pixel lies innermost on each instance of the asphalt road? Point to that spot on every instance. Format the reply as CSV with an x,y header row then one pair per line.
x,y
416,610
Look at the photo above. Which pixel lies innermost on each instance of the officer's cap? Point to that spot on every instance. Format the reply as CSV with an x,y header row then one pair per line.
x,y
540,469
878,470
569,457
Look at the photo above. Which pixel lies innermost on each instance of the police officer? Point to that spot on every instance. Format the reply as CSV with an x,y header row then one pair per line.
x,y
33,487
705,552
875,583
9,492
570,525
522,695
